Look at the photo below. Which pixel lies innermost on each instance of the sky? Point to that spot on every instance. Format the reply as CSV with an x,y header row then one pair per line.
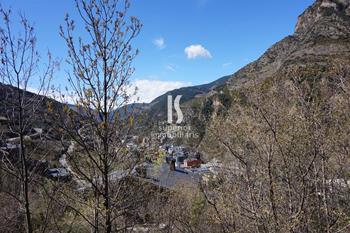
x,y
182,42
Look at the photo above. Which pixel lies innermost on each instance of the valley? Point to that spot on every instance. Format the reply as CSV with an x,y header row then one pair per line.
x,y
263,149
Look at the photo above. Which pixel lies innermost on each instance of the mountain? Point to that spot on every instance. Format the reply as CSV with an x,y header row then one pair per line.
x,y
321,33
33,103
157,110
321,38
158,107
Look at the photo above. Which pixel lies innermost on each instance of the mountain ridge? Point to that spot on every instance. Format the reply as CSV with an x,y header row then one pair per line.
x,y
321,38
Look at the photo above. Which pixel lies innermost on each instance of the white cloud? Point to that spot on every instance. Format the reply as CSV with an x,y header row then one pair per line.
x,y
194,51
170,67
148,90
159,42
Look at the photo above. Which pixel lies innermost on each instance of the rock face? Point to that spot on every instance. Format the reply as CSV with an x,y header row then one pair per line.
x,y
321,33
317,18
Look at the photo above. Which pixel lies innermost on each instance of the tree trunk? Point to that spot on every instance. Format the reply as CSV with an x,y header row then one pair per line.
x,y
25,179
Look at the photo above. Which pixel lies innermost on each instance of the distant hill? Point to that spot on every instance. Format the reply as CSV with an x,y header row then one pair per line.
x,y
157,109
41,118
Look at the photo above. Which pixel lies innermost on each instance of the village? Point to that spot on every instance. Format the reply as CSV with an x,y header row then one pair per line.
x,y
180,164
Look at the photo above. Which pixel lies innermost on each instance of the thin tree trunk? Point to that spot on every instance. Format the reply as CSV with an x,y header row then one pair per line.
x,y
107,203
97,201
25,179
272,193
324,181
106,151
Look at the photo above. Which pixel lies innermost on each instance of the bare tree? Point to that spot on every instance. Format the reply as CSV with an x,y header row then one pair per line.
x,y
20,73
101,62
289,139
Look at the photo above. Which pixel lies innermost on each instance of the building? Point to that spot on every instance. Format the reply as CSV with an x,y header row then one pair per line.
x,y
192,163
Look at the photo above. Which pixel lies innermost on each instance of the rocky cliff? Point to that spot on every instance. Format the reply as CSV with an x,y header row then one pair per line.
x,y
322,31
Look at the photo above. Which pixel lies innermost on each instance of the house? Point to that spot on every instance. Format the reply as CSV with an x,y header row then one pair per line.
x,y
179,160
192,163
57,173
36,133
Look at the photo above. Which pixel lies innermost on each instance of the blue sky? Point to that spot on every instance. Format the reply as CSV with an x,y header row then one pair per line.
x,y
221,36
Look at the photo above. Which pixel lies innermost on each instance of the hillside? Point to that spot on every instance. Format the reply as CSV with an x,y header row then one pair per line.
x,y
266,149
157,109
41,118
321,33
321,39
